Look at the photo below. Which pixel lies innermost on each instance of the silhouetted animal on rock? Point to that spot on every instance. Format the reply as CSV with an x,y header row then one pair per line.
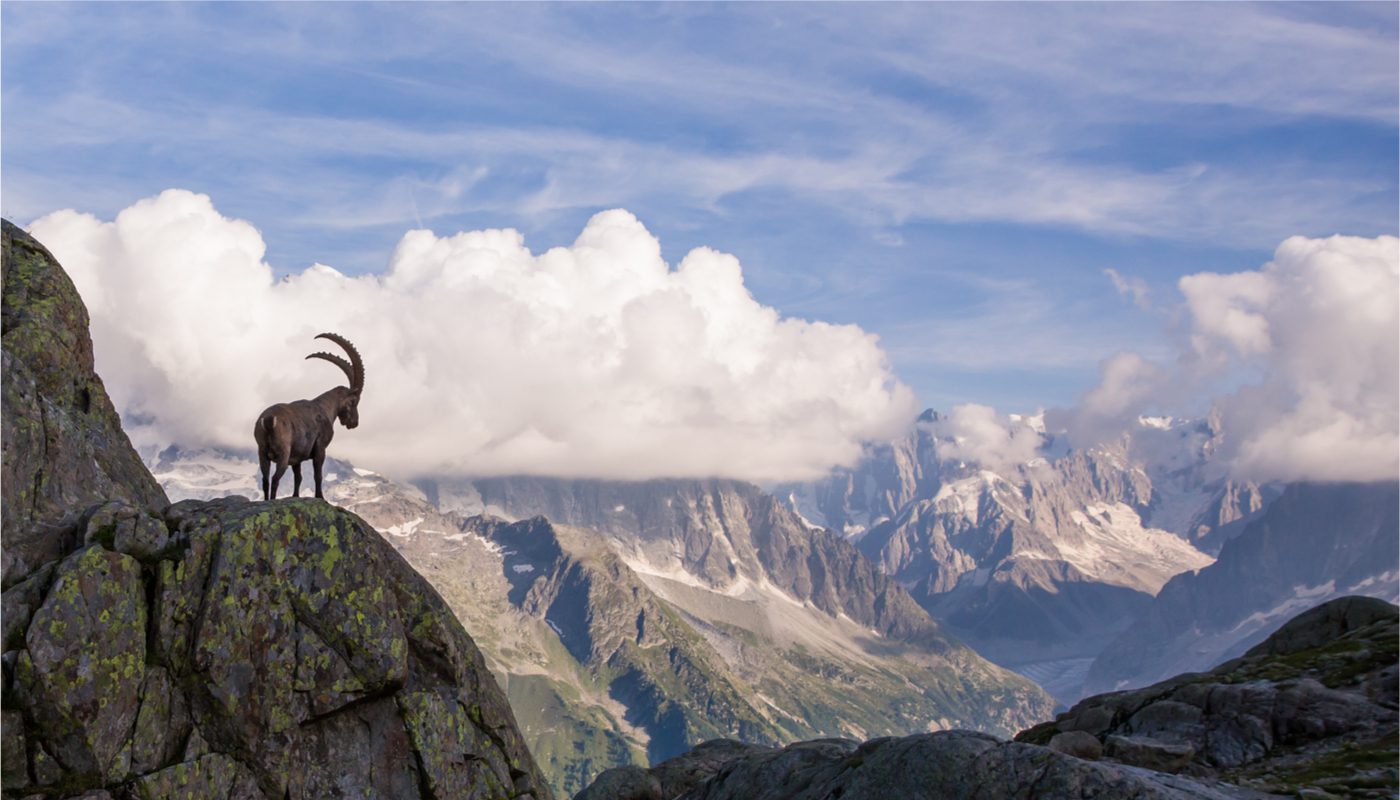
x,y
290,433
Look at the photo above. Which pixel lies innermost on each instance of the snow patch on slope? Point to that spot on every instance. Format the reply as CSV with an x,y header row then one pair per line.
x,y
1115,543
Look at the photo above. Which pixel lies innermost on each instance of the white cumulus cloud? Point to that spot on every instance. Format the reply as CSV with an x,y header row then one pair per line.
x,y
1310,347
482,358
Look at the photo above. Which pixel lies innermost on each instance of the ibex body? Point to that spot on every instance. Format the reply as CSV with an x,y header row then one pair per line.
x,y
290,433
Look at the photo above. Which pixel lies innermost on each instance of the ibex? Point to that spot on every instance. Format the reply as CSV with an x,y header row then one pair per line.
x,y
290,433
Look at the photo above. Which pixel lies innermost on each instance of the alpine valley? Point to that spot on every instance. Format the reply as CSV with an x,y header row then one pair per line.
x,y
915,592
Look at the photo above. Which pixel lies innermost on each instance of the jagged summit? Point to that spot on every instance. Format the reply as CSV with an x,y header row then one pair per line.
x,y
209,649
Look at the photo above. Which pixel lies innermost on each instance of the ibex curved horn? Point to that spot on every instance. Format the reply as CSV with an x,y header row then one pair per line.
x,y
354,369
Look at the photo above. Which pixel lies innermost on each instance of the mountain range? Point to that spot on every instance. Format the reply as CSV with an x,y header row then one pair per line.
x,y
637,619
629,622
838,607
1095,568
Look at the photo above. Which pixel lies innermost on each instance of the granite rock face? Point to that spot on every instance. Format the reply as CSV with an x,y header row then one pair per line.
x,y
224,649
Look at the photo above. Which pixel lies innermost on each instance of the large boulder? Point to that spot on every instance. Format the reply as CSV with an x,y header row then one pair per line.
x,y
210,649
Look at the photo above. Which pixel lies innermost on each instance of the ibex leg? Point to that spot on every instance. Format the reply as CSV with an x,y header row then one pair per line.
x,y
264,464
296,479
317,459
277,476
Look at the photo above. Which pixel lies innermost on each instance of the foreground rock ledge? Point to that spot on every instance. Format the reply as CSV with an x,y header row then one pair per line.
x,y
247,650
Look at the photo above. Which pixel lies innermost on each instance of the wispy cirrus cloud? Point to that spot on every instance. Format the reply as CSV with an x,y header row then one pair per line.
x,y
830,144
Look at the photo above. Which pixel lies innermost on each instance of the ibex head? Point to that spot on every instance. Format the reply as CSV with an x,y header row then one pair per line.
x,y
348,408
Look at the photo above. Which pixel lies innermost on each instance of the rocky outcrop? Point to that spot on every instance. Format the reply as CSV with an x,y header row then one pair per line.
x,y
946,764
224,649
269,650
1313,707
64,448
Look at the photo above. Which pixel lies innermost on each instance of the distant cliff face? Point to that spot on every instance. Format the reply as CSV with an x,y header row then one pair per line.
x,y
224,649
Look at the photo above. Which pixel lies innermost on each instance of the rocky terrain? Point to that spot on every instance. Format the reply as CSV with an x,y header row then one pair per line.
x,y
630,641
1310,712
209,649
1312,708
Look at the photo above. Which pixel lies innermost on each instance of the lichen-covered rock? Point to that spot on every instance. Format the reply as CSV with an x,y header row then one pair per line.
x,y
63,446
296,655
162,725
87,647
14,755
223,649
213,775
118,526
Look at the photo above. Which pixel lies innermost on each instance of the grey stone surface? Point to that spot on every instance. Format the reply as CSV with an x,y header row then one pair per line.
x,y
1078,744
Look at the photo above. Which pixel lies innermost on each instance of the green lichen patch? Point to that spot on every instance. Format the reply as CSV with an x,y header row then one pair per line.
x,y
457,757
162,724
211,776
87,643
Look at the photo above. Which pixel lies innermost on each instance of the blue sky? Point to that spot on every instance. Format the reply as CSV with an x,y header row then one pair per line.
x,y
955,178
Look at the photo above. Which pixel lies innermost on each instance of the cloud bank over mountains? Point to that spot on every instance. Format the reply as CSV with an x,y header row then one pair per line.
x,y
1300,358
599,360
482,358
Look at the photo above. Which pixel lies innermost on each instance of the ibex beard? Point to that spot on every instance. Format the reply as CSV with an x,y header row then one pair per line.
x,y
290,433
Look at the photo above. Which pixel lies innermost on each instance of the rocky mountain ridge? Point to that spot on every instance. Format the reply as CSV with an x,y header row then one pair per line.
x,y
1041,565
